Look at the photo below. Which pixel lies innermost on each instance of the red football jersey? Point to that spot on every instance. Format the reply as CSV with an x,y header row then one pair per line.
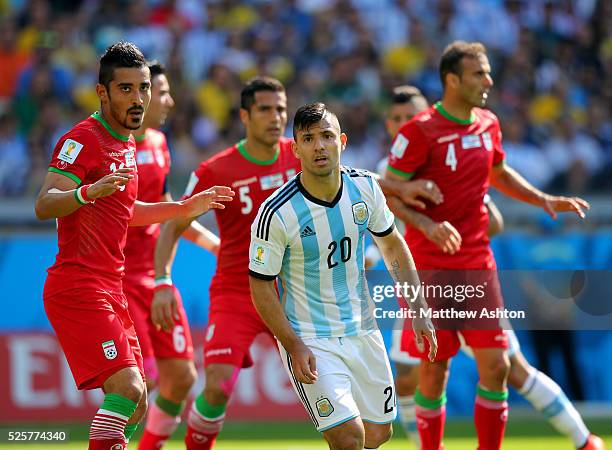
x,y
253,181
458,156
91,239
153,159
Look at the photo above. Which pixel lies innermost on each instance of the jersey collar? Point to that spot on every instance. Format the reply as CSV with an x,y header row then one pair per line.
x,y
105,124
318,201
438,107
241,148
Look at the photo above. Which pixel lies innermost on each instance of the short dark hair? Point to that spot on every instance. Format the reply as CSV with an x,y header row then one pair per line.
x,y
308,115
119,55
156,68
405,94
454,53
257,84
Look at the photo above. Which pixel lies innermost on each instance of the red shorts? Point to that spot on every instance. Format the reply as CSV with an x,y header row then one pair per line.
x,y
478,331
95,331
154,343
229,336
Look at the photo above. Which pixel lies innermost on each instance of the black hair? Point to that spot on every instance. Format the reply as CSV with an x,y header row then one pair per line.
x,y
119,55
405,94
308,115
258,84
156,68
454,53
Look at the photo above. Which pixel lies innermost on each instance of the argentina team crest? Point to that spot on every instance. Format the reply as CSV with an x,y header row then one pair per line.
x,y
110,351
324,407
360,213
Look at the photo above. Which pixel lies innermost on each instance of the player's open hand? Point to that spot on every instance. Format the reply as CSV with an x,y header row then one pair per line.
x,y
424,329
413,191
445,236
303,363
554,204
205,200
111,183
164,309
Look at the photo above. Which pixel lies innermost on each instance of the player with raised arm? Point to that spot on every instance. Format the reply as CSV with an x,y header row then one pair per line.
x,y
542,392
167,356
254,167
91,190
457,144
310,234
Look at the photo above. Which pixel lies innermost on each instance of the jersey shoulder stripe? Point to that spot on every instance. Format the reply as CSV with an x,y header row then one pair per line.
x,y
272,205
352,172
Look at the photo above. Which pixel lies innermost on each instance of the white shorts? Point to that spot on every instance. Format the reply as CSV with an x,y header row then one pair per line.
x,y
396,353
354,380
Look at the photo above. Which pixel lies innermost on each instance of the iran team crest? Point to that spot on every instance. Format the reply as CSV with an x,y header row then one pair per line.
x,y
110,351
324,407
360,213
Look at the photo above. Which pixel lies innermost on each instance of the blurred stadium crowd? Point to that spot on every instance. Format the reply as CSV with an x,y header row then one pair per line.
x,y
551,61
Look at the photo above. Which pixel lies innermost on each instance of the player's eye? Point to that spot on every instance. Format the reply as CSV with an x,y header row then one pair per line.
x,y
125,88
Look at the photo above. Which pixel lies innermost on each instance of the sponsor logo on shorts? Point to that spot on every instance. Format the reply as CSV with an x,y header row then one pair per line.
x,y
70,150
110,351
219,351
117,447
324,407
360,213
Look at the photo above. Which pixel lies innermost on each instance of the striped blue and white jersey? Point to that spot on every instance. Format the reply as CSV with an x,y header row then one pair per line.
x,y
316,248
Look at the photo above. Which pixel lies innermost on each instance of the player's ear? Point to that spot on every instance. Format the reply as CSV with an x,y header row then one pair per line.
x,y
102,92
244,116
343,141
294,148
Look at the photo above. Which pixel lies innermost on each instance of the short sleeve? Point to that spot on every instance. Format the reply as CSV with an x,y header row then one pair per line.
x,y
409,150
72,155
268,243
199,180
382,220
499,155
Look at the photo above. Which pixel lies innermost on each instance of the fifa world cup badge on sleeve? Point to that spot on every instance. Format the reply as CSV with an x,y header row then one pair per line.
x,y
260,254
110,351
70,150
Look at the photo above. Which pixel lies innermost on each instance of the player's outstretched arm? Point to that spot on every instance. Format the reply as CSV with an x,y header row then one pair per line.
x,y
401,266
266,301
412,193
196,205
198,234
60,195
508,181
202,237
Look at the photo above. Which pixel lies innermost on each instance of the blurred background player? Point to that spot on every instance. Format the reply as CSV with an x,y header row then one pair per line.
x,y
167,356
91,189
536,387
310,234
255,167
458,145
